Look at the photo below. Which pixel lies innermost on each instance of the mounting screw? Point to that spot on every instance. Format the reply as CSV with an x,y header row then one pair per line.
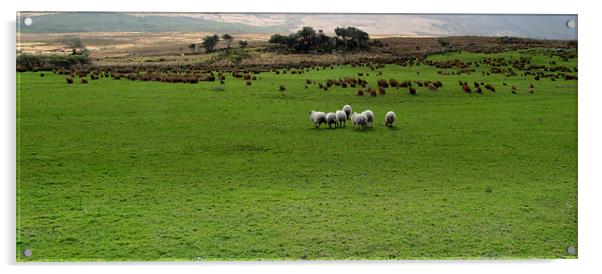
x,y
27,252
571,250
570,24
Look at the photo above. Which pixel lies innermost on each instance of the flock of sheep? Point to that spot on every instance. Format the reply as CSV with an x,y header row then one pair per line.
x,y
339,118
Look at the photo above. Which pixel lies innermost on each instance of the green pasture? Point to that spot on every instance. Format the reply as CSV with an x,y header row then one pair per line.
x,y
133,171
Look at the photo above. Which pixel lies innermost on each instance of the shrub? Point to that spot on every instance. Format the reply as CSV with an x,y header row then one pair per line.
x,y
490,87
30,62
466,88
393,83
372,92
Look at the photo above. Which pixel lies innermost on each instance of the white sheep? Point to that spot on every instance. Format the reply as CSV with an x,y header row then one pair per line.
x,y
390,118
341,117
369,116
331,118
347,110
359,120
317,118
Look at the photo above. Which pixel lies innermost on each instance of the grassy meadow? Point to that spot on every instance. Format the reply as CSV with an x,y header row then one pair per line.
x,y
136,171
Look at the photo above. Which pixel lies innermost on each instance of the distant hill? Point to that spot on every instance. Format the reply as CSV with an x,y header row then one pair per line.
x,y
530,26
124,22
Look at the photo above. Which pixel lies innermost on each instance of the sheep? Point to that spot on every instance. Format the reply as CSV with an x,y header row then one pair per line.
x,y
347,110
390,118
341,117
359,120
369,116
331,119
317,118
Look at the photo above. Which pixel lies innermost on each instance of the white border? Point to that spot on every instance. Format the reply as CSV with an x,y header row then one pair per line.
x,y
589,134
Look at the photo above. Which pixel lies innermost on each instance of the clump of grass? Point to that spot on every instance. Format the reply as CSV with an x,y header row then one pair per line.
x,y
490,87
393,83
372,92
466,88
383,83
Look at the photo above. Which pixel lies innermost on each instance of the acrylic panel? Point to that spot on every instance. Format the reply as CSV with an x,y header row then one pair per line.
x,y
266,136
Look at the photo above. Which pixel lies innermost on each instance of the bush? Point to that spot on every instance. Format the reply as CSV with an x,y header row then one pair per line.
x,y
30,62
490,87
372,92
466,88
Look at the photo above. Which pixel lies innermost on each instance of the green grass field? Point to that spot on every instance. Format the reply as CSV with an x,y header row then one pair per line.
x,y
131,170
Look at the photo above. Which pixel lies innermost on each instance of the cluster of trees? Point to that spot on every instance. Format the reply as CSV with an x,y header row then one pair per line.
x,y
31,62
307,39
210,41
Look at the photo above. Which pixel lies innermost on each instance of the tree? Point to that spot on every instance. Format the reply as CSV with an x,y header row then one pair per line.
x,y
342,32
359,37
192,47
228,39
209,42
308,37
278,39
75,43
243,44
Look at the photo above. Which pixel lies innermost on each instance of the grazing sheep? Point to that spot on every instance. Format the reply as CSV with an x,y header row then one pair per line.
x,y
347,110
369,116
359,120
341,118
331,119
390,118
317,118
